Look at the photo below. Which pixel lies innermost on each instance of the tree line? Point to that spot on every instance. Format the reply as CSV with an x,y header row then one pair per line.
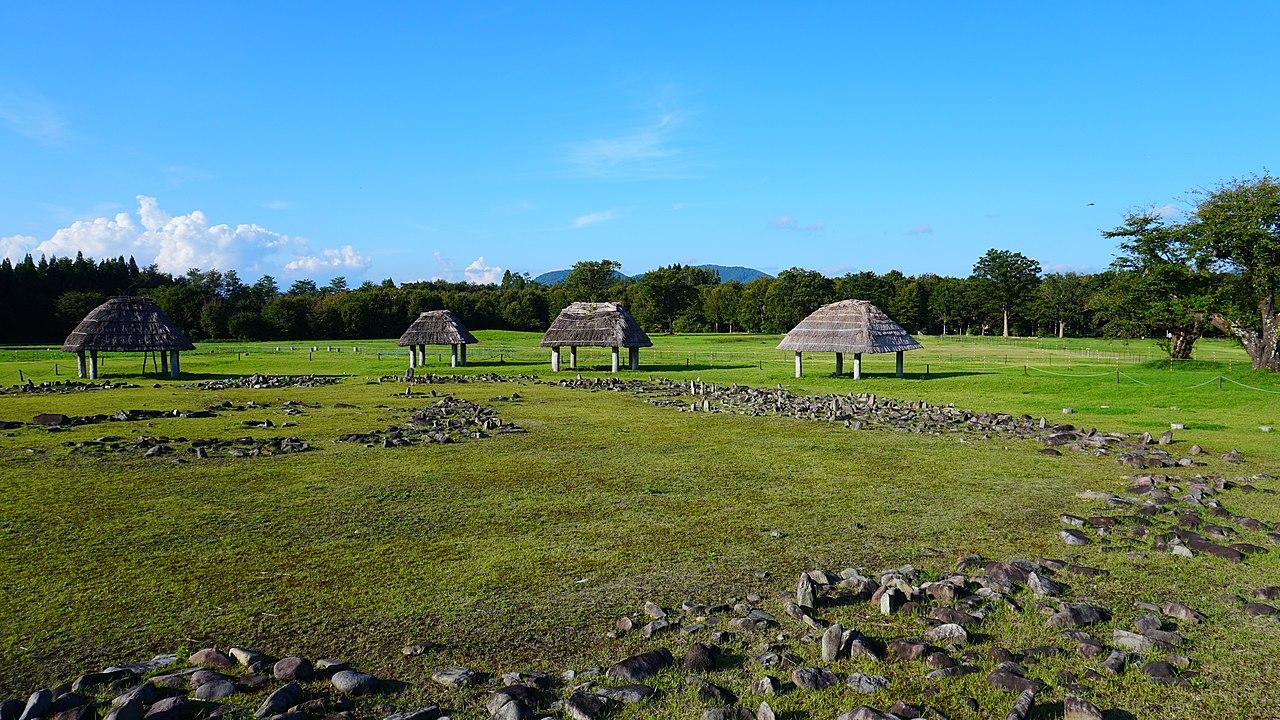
x,y
1214,271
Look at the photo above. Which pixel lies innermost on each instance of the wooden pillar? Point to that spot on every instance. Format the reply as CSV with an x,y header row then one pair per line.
x,y
839,364
898,370
422,356
614,354
555,359
413,356
573,357
857,366
462,353
93,364
80,363
164,362
453,354
175,365
799,364
633,358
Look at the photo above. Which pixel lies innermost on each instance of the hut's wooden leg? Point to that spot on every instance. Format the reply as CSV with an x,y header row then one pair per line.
x,y
422,356
413,356
164,362
175,365
614,353
898,370
573,357
799,364
93,364
555,359
839,363
453,354
857,366
80,364
462,353
633,358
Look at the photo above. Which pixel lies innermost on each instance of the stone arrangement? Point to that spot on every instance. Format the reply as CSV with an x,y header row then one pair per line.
x,y
62,387
180,449
444,421
267,382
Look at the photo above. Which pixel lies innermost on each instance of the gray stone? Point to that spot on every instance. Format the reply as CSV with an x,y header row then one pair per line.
x,y
813,678
1043,586
245,657
806,595
701,657
214,691
455,677
1073,537
513,702
170,708
1126,640
1021,709
39,704
354,683
641,667
293,668
280,700
863,683
90,681
727,713
629,694
862,712
430,712
212,657
767,685
145,693
586,706
832,642
1074,708
947,634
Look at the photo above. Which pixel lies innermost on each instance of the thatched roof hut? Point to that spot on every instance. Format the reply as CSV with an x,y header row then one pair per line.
x,y
437,327
126,324
589,324
848,326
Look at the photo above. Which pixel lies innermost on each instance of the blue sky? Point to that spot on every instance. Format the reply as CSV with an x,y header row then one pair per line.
x,y
451,140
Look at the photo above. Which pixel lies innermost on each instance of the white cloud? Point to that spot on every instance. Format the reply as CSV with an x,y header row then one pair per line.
x,y
277,205
645,153
178,243
1165,211
921,229
481,274
786,222
33,118
594,218
343,257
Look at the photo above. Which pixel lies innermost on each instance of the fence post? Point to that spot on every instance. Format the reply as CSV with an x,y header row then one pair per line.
x,y
1117,376
1219,382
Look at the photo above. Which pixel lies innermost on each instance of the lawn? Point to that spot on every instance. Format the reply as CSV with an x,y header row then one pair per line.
x,y
518,552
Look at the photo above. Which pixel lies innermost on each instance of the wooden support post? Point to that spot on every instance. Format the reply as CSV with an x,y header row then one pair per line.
x,y
633,358
93,364
573,357
413,357
80,363
462,354
164,362
839,364
857,366
453,354
898,370
175,365
799,364
614,354
555,359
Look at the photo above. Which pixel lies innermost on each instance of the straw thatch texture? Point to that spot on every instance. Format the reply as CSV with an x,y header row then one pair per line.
x,y
604,324
127,324
437,327
848,326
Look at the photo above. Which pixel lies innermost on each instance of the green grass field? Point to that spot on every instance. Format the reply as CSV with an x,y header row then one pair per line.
x,y
519,551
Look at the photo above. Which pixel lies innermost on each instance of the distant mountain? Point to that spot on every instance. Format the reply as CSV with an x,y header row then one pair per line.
x,y
728,273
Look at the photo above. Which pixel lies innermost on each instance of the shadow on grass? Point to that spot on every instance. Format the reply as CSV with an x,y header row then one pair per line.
x,y
914,375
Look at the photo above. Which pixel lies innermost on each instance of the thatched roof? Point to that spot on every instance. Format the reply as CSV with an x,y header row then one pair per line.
x,y
848,326
603,324
127,324
437,327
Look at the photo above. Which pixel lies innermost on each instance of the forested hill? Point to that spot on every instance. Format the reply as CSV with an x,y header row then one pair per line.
x,y
727,273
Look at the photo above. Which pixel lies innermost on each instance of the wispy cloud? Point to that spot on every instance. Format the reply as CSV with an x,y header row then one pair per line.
x,y
786,222
648,152
277,204
1166,211
594,218
33,118
921,229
